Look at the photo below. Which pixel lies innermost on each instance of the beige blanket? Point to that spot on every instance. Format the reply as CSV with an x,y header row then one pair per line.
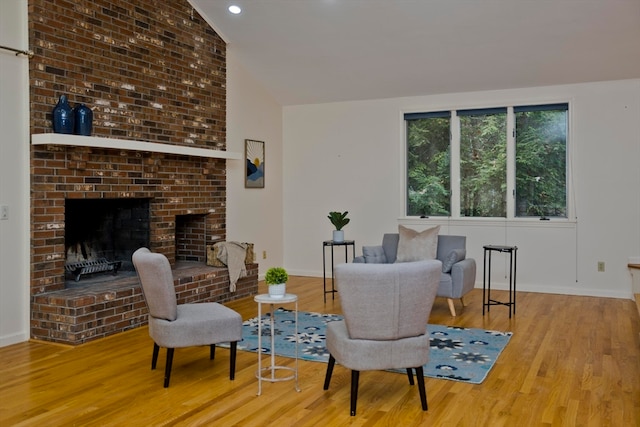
x,y
232,254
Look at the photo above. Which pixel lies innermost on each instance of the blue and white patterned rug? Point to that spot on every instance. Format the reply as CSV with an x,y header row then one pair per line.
x,y
459,354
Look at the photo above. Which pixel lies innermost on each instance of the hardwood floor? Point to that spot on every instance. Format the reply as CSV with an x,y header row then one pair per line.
x,y
572,361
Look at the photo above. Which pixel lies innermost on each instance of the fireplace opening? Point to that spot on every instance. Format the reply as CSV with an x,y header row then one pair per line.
x,y
191,237
101,235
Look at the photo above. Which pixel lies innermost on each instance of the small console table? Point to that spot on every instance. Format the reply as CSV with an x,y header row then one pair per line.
x,y
270,370
487,302
332,244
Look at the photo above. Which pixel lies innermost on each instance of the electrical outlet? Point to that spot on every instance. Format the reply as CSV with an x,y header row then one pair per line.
x,y
4,212
601,266
264,254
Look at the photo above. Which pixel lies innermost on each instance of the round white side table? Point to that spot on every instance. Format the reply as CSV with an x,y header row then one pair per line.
x,y
268,373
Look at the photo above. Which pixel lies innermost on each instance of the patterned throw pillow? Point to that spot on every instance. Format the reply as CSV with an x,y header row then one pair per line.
x,y
374,255
456,255
417,246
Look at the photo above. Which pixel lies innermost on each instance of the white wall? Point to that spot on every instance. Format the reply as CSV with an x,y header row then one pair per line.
x,y
254,215
14,174
349,156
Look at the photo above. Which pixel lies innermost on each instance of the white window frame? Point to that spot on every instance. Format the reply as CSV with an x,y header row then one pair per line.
x,y
511,164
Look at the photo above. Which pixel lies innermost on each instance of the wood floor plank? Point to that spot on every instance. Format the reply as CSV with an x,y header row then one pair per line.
x,y
572,361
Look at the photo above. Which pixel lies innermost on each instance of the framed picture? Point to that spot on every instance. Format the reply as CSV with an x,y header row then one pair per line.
x,y
254,157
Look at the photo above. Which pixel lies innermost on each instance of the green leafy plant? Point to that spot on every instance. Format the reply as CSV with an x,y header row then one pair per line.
x,y
276,276
338,219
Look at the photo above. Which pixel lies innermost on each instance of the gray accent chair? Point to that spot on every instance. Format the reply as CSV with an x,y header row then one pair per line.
x,y
458,271
386,309
174,326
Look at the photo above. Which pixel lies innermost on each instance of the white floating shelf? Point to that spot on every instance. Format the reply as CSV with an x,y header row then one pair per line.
x,y
127,144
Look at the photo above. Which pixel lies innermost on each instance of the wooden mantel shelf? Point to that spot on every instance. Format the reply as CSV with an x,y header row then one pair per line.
x,y
126,144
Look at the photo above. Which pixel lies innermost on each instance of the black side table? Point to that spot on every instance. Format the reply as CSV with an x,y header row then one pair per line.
x,y
332,244
486,279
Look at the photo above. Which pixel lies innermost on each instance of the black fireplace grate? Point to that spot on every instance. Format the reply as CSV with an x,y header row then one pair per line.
x,y
89,267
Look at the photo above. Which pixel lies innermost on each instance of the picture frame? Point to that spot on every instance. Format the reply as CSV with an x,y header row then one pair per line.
x,y
254,159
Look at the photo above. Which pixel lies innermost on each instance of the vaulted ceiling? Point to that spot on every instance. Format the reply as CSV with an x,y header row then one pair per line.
x,y
317,51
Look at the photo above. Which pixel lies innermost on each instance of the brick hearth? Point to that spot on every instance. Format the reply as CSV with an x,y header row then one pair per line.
x,y
84,313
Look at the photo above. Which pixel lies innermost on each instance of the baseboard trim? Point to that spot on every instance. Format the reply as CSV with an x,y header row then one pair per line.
x,y
14,339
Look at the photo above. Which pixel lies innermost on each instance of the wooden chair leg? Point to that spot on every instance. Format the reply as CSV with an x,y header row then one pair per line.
x,y
212,351
462,301
232,360
154,358
355,375
327,377
167,369
421,388
452,308
410,375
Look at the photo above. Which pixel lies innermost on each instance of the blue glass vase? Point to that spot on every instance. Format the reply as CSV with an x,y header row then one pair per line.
x,y
83,117
63,116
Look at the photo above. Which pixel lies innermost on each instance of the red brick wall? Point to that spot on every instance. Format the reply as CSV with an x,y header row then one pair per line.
x,y
151,71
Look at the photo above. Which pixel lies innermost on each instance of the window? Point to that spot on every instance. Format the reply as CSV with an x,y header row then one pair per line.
x,y
541,160
519,151
428,160
483,162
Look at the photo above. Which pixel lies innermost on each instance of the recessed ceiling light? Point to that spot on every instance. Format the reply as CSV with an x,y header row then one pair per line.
x,y
235,9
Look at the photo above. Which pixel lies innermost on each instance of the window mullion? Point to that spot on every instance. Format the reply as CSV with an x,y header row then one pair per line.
x,y
455,165
511,163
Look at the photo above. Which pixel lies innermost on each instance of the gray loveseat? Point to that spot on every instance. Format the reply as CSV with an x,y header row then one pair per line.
x,y
458,272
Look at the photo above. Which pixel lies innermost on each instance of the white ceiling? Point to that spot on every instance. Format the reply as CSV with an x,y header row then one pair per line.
x,y
317,51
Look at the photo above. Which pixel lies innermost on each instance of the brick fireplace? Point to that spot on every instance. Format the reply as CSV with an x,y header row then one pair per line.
x,y
151,74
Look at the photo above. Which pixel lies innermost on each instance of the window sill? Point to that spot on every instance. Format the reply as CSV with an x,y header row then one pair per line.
x,y
126,144
491,222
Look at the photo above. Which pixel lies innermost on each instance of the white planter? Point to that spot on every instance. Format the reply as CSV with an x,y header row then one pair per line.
x,y
338,236
277,291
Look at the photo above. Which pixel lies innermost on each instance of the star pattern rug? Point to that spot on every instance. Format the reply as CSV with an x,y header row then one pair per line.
x,y
457,353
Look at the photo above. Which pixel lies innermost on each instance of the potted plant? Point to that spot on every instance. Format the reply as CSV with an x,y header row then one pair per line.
x,y
276,280
338,220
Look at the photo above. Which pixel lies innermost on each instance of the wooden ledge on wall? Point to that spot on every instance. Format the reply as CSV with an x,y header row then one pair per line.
x,y
635,277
